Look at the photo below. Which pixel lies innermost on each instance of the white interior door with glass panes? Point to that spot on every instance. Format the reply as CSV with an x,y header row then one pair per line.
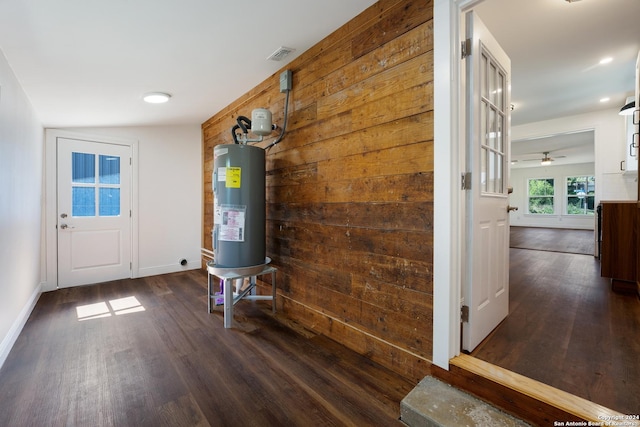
x,y
94,213
486,288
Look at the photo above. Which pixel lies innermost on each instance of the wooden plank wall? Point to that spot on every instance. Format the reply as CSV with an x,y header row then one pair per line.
x,y
350,187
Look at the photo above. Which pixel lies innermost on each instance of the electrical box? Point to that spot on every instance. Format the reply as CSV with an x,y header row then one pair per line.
x,y
285,81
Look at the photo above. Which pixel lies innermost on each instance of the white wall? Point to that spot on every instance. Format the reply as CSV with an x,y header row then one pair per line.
x,y
21,165
170,194
610,149
519,179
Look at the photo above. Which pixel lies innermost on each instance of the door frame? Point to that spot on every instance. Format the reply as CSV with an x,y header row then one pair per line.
x,y
49,220
449,206
449,157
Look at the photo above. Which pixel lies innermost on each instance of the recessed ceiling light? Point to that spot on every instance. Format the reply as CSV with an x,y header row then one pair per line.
x,y
606,60
156,97
605,99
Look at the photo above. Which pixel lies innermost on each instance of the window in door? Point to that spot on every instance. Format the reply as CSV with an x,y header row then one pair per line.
x,y
492,123
580,195
541,196
95,193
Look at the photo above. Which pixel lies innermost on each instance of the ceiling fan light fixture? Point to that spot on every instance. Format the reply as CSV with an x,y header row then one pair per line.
x,y
156,97
628,108
546,160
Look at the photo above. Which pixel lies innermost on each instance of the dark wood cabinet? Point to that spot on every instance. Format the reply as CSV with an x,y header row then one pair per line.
x,y
619,253
638,246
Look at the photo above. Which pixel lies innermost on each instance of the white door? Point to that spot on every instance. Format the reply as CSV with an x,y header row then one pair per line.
x,y
486,289
636,111
94,216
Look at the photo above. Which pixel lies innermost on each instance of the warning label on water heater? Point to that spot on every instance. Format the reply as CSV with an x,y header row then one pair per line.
x,y
232,222
231,176
232,180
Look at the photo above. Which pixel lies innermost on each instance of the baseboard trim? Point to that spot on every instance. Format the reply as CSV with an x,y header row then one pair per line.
x,y
168,269
404,362
14,332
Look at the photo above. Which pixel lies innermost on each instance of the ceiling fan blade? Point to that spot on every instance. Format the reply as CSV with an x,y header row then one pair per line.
x,y
539,159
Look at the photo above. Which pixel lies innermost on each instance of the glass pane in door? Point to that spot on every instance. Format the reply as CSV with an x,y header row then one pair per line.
x,y
83,178
83,168
109,201
492,122
109,169
83,201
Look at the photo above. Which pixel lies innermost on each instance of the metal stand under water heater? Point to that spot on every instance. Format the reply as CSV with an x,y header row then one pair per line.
x,y
239,238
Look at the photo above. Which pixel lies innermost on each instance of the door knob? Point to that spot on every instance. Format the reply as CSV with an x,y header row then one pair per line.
x,y
512,208
64,226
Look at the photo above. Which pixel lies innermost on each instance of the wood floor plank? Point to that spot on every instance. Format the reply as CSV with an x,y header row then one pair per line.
x,y
568,329
553,239
172,363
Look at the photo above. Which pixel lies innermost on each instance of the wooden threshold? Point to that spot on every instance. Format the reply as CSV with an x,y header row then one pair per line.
x,y
523,397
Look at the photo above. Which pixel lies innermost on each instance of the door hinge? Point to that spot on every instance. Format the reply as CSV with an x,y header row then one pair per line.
x,y
130,266
465,183
464,313
465,48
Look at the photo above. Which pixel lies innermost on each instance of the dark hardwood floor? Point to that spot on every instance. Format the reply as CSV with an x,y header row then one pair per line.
x,y
174,364
553,240
566,328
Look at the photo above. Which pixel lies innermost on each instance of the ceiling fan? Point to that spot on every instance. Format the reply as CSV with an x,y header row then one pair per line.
x,y
545,161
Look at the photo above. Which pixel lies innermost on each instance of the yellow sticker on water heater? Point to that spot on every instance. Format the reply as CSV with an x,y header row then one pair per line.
x,y
233,177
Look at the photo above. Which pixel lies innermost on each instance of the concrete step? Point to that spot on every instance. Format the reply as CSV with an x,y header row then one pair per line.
x,y
435,403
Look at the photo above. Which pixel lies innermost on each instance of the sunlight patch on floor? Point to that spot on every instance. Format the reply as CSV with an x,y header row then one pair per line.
x,y
107,309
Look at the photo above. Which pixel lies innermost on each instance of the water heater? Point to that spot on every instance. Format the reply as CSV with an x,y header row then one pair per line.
x,y
239,205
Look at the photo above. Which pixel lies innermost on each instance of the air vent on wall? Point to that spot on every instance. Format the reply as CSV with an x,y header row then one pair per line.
x,y
281,53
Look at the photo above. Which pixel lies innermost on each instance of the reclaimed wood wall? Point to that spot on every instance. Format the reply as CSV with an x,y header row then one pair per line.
x,y
350,187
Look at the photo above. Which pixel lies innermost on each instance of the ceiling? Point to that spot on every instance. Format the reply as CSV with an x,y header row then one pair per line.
x,y
87,64
555,49
563,149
